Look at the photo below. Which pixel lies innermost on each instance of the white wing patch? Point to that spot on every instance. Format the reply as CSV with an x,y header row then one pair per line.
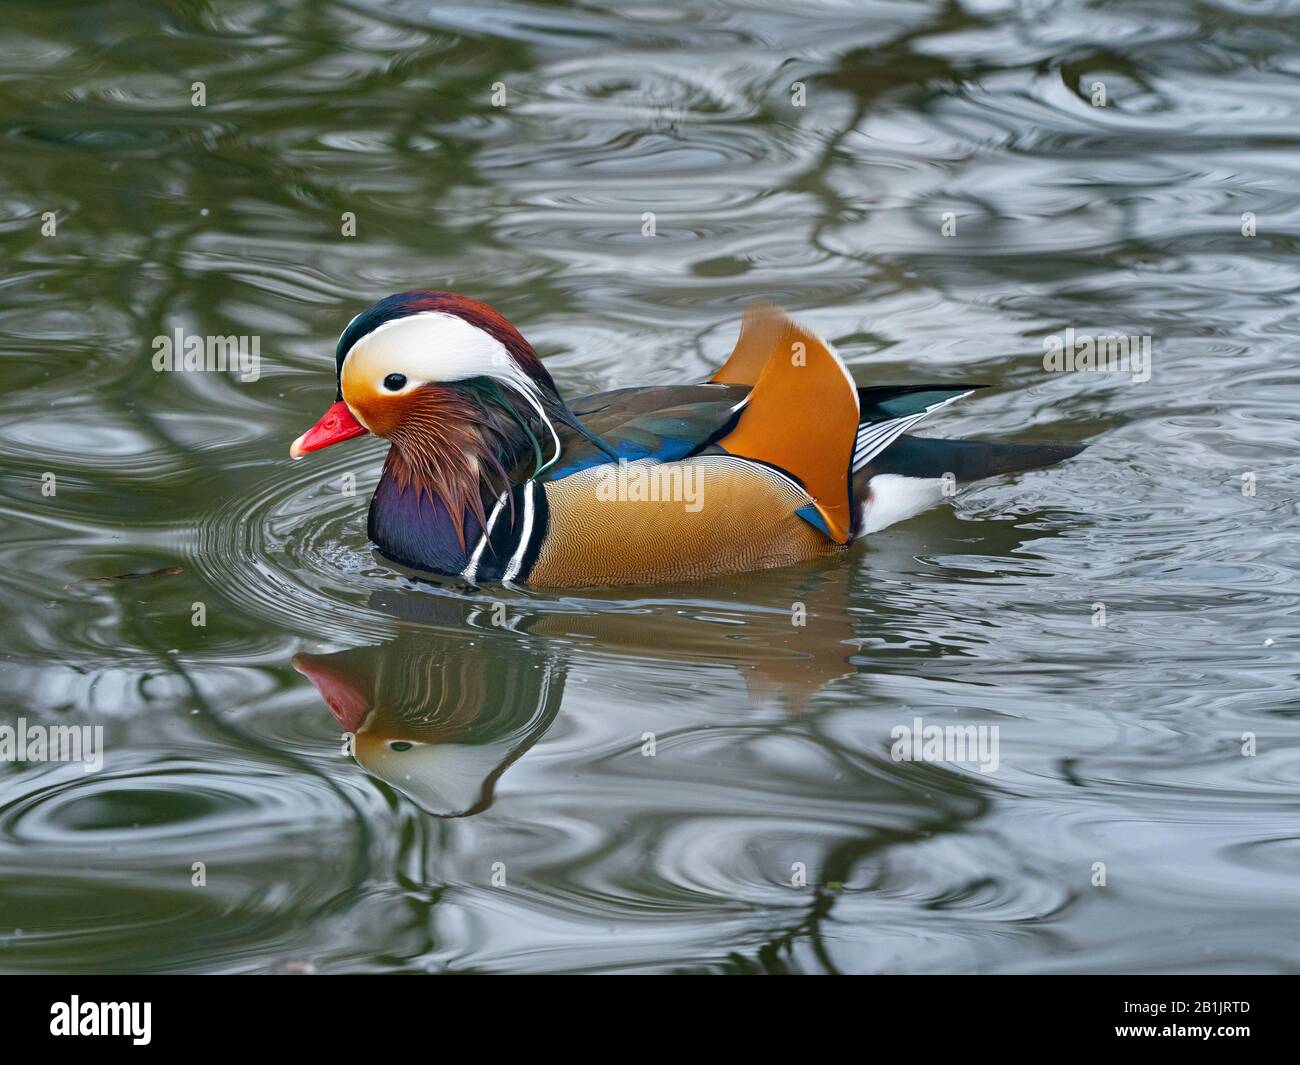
x,y
873,439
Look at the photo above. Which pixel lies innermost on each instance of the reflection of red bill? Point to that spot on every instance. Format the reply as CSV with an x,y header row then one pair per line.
x,y
341,695
336,424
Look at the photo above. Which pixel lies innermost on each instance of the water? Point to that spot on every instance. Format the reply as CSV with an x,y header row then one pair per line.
x,y
517,824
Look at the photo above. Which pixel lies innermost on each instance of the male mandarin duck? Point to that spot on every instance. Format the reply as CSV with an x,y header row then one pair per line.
x,y
779,457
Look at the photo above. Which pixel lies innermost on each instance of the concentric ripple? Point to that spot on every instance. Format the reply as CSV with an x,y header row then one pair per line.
x,y
168,851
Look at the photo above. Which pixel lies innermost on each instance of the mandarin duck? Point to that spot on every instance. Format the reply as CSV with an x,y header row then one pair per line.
x,y
491,475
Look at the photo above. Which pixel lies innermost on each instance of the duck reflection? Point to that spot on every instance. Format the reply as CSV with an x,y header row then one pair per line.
x,y
464,688
440,717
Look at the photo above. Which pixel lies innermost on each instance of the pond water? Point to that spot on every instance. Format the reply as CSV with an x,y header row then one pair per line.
x,y
675,778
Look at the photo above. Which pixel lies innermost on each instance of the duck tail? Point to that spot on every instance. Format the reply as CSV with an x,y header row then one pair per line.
x,y
966,460
915,473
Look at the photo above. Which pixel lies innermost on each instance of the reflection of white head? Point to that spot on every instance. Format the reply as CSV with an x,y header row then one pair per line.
x,y
444,779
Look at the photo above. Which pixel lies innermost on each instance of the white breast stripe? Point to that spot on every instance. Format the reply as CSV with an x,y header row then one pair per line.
x,y
517,559
471,571
873,439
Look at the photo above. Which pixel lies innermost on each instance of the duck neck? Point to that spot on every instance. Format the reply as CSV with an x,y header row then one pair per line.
x,y
452,458
413,525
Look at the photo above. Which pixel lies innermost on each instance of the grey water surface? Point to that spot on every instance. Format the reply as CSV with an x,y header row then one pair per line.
x,y
680,778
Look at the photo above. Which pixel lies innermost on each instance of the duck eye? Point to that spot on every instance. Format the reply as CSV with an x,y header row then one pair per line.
x,y
400,745
395,382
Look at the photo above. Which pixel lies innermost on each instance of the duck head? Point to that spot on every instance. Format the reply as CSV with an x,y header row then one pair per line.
x,y
465,402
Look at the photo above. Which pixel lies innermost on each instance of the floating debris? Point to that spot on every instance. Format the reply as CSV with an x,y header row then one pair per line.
x,y
166,571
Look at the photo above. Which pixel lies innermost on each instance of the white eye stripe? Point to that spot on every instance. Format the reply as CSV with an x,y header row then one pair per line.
x,y
432,346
